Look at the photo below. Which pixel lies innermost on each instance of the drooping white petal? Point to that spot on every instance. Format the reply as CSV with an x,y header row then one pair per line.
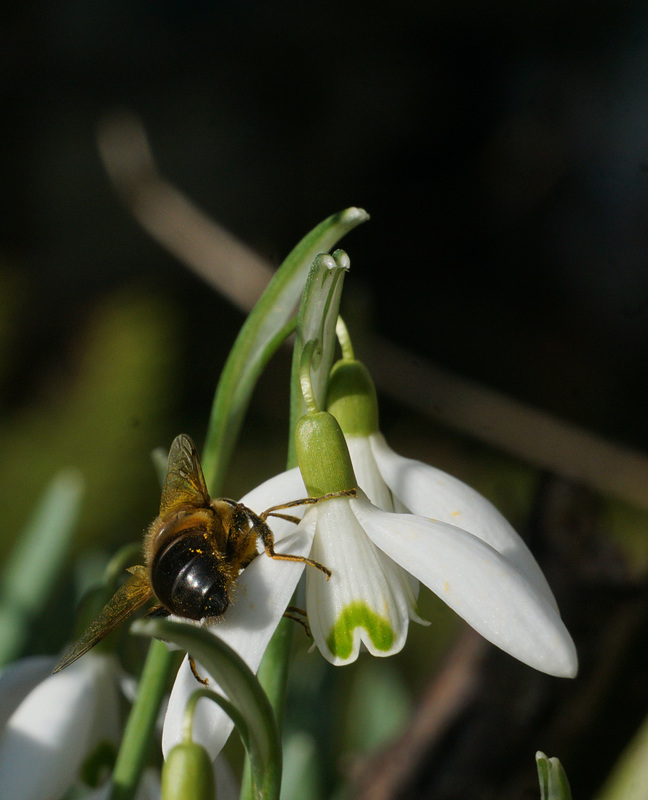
x,y
367,599
430,492
18,680
52,731
262,593
373,485
483,587
367,473
283,488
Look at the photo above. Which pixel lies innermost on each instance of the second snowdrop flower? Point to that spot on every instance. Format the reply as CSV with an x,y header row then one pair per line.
x,y
377,555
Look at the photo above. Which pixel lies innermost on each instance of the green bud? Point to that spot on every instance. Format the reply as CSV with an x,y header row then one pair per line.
x,y
553,780
352,398
187,773
323,455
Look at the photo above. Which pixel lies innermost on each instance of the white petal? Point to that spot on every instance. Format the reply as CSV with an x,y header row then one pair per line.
x,y
279,489
368,597
51,732
478,583
367,473
18,680
263,590
373,485
282,488
430,492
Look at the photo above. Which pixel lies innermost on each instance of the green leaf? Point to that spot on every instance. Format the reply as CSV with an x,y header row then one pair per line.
x,y
242,689
266,327
40,554
140,729
301,768
553,780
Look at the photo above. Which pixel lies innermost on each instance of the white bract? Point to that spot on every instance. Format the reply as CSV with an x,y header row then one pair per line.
x,y
50,724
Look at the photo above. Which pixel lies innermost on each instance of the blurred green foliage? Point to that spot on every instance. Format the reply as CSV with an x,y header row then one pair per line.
x,y
101,413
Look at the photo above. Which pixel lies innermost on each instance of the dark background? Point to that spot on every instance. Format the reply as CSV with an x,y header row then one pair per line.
x,y
501,150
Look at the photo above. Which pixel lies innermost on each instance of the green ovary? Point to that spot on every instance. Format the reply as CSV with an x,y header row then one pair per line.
x,y
359,615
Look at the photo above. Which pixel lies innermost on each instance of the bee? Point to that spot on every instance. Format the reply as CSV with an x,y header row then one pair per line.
x,y
193,552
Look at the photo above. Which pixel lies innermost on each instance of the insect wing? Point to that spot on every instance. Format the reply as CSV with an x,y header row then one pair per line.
x,y
184,484
127,599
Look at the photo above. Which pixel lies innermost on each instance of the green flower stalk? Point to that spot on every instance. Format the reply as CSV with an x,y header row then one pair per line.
x,y
187,771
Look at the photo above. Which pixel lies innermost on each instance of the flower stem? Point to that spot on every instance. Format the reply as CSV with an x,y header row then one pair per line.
x,y
308,354
138,736
273,677
342,333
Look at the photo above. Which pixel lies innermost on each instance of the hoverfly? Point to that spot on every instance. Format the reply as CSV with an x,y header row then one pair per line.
x,y
193,551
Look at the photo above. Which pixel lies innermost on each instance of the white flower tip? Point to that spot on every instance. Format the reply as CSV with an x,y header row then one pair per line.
x,y
570,667
561,661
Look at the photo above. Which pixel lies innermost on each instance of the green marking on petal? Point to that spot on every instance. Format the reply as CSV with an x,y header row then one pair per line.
x,y
359,615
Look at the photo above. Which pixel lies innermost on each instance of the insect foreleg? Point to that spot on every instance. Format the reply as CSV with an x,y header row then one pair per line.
x,y
306,501
297,615
194,671
261,529
287,517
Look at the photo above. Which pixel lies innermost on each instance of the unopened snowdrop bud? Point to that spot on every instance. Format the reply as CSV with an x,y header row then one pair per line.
x,y
352,398
323,455
188,773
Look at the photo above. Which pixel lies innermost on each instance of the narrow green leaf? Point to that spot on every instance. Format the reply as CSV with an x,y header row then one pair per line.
x,y
138,735
241,688
553,780
265,328
39,553
301,768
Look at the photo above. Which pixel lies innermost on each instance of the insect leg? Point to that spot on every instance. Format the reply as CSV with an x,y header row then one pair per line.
x,y
194,670
307,501
298,616
161,611
158,611
261,529
287,517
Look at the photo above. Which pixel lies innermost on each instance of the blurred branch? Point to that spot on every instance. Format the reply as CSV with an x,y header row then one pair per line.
x,y
514,427
172,220
241,275
382,776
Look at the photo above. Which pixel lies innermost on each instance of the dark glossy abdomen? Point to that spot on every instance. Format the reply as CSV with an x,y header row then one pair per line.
x,y
187,577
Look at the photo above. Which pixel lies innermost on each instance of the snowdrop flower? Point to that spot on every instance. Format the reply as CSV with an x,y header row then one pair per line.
x,y
395,483
54,728
406,523
374,554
